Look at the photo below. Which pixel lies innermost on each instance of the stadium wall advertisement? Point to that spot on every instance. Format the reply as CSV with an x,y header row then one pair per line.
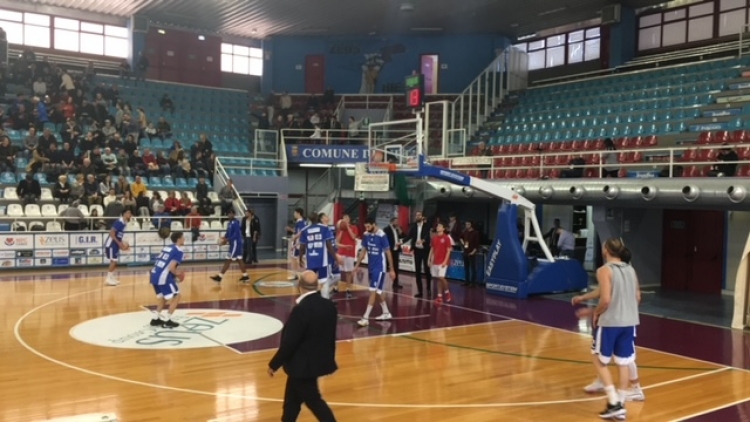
x,y
26,250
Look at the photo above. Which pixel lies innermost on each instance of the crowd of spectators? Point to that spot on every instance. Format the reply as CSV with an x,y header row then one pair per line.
x,y
98,144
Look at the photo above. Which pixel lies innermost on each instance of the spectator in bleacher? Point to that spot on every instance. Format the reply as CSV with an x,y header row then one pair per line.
x,y
201,196
172,204
143,204
89,73
185,203
312,102
30,143
129,202
138,187
163,163
67,159
113,94
119,116
317,134
40,87
193,222
41,115
69,109
100,89
7,155
130,126
150,132
728,167
163,129
114,142
610,160
354,127
87,143
53,167
73,218
101,106
38,160
77,190
87,168
70,132
113,210
61,191
130,145
329,99
149,160
28,190
279,124
108,130
226,196
122,186
22,119
124,69
91,190
334,125
136,164
204,145
166,103
156,203
161,219
142,119
96,222
285,103
141,67
576,168
109,159
185,168
86,113
175,162
107,185
123,167
110,197
67,84
46,139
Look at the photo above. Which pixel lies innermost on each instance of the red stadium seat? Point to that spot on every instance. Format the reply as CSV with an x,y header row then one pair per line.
x,y
721,136
626,144
521,174
474,152
740,136
498,162
567,146
507,161
599,144
619,142
689,155
637,157
636,142
624,157
743,171
562,160
533,173
743,153
536,160
576,145
510,174
553,146
592,173
650,141
549,160
496,150
513,149
705,138
504,149
554,174
499,174
526,161
623,173
523,148
515,161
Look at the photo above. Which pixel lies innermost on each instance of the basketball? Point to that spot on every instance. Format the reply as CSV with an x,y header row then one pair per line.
x,y
343,225
125,245
181,276
222,241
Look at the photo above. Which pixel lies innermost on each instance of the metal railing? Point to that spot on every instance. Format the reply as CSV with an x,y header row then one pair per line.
x,y
315,194
365,101
99,222
644,160
220,181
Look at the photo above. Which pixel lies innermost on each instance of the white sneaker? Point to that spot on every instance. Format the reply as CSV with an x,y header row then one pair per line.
x,y
112,282
363,322
635,394
594,387
384,317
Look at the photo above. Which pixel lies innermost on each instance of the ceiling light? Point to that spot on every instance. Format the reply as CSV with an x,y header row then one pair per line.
x,y
161,31
526,37
427,29
254,31
318,166
201,37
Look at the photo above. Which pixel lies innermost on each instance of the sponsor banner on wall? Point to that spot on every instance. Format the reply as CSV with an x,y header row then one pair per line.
x,y
208,238
329,154
722,113
78,260
456,270
42,254
709,127
214,255
94,260
188,256
61,262
406,261
14,242
126,259
43,262
25,254
60,253
25,262
7,254
148,239
86,240
199,256
51,241
7,263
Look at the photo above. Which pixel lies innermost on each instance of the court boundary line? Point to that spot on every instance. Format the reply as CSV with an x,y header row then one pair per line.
x,y
714,409
23,343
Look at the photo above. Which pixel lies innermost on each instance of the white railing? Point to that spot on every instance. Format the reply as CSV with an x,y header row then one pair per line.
x,y
646,160
220,181
507,72
388,111
365,101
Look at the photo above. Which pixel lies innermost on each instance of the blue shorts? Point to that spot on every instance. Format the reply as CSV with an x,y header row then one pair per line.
x,y
335,270
323,273
167,291
235,250
296,252
112,252
617,342
377,281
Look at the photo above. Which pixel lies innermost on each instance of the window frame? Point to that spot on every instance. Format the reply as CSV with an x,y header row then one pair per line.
x,y
587,34
232,56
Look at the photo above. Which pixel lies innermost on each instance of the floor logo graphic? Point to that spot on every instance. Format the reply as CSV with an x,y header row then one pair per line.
x,y
199,328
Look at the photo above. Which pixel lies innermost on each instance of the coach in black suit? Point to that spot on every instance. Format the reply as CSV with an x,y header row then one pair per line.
x,y
307,351
393,233
251,230
419,241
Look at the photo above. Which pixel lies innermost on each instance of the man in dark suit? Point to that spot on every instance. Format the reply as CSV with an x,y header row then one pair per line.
x,y
419,241
251,231
307,351
393,233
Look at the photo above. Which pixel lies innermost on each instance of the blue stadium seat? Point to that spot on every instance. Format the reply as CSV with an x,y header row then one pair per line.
x,y
167,182
181,183
7,178
154,182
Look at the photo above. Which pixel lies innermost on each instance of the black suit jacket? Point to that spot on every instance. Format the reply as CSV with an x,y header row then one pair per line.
x,y
425,236
308,340
392,238
254,226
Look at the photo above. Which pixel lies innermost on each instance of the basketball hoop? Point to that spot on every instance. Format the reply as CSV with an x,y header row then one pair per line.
x,y
381,167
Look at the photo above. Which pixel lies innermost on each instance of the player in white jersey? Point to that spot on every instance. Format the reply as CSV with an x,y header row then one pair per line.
x,y
114,243
164,277
375,245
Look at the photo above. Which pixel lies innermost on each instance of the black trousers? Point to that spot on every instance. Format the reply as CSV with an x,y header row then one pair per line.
x,y
304,390
470,268
247,253
395,255
420,264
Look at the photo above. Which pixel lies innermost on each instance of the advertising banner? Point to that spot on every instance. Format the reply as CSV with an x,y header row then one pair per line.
x,y
327,154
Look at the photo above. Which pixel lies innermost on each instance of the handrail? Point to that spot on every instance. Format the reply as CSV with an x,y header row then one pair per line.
x,y
326,175
223,176
525,160
330,136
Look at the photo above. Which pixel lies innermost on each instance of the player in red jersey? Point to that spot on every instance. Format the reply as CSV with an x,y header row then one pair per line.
x,y
346,240
440,257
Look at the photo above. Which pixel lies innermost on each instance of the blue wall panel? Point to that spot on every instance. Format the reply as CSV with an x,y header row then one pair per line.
x,y
464,55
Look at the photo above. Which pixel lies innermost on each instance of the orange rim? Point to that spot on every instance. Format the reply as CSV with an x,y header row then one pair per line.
x,y
390,167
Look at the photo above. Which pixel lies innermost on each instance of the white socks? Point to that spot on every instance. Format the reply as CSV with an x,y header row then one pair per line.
x,y
385,308
325,291
632,371
367,312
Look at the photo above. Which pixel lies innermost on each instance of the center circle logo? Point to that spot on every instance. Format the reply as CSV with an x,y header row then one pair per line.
x,y
278,284
199,328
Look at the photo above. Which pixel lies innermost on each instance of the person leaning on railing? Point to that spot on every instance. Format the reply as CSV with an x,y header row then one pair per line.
x,y
73,218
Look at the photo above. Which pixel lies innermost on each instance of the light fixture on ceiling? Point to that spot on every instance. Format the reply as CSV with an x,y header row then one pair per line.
x,y
201,38
514,25
316,166
526,37
406,7
254,31
161,31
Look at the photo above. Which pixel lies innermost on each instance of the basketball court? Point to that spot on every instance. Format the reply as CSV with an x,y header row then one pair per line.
x,y
73,347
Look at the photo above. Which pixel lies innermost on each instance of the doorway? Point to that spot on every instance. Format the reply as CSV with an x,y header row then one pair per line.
x,y
315,74
430,68
265,210
693,251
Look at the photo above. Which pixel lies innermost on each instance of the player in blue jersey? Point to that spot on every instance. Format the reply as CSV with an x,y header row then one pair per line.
x,y
113,244
375,245
294,255
233,237
335,268
316,247
164,278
